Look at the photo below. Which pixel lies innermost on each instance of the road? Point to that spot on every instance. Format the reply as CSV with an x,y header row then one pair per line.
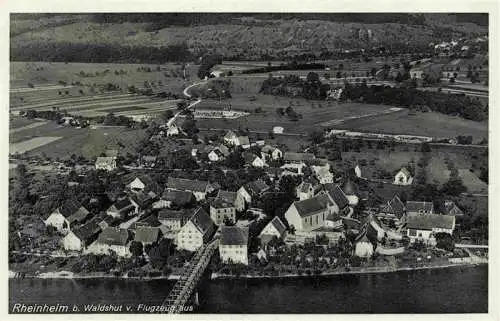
x,y
186,93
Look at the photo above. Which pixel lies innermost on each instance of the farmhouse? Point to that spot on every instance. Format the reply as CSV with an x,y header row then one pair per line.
x,y
175,198
233,246
147,235
122,209
218,153
111,239
221,211
232,139
199,188
231,198
148,161
253,160
364,248
350,190
173,219
311,213
337,196
395,207
275,228
71,213
297,158
252,190
173,130
304,191
419,208
424,227
278,130
403,177
79,239
143,184
271,152
105,163
333,220
197,231
322,173
293,169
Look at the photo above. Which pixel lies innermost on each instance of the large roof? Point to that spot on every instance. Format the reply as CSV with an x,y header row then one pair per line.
x,y
430,221
113,236
298,157
256,187
234,235
78,216
227,196
396,206
337,195
184,184
69,208
414,206
313,205
166,214
87,231
202,220
278,225
350,188
146,234
105,161
180,198
122,204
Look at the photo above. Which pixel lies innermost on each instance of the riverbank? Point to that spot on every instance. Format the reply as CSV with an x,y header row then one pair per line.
x,y
215,276
377,270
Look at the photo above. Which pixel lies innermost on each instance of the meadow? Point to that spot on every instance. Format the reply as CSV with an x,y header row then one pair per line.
x,y
86,142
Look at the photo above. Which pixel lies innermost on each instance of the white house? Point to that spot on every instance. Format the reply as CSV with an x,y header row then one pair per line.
x,y
63,217
231,138
274,228
310,214
278,130
173,130
221,210
250,191
111,239
196,232
304,191
322,173
363,248
271,152
424,227
79,239
357,171
143,184
403,177
253,160
173,219
107,163
333,220
233,246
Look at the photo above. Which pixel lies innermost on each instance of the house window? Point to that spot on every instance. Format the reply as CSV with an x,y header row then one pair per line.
x,y
317,219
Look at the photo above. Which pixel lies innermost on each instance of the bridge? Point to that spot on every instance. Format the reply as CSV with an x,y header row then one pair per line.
x,y
178,297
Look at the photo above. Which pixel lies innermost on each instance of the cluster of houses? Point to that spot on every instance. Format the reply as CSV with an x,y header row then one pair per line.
x,y
192,212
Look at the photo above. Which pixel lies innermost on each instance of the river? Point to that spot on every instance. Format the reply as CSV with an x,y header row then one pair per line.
x,y
451,290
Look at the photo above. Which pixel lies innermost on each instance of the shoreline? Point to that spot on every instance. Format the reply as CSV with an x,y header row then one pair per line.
x,y
217,276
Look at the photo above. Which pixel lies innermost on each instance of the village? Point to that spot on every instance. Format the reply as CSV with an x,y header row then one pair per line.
x,y
291,214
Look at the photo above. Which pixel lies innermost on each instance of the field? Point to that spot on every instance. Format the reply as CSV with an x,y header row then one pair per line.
x,y
88,99
30,144
86,142
438,173
425,124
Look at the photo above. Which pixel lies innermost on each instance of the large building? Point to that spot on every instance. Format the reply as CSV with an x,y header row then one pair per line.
x,y
233,246
221,211
424,227
196,232
310,214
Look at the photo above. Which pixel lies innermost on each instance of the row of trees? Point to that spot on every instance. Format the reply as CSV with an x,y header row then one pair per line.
x,y
450,104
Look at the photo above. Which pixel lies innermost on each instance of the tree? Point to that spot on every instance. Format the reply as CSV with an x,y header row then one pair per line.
x,y
136,248
166,115
317,137
445,241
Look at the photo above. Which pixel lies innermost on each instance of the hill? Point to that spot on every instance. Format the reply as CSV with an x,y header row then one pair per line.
x,y
261,36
